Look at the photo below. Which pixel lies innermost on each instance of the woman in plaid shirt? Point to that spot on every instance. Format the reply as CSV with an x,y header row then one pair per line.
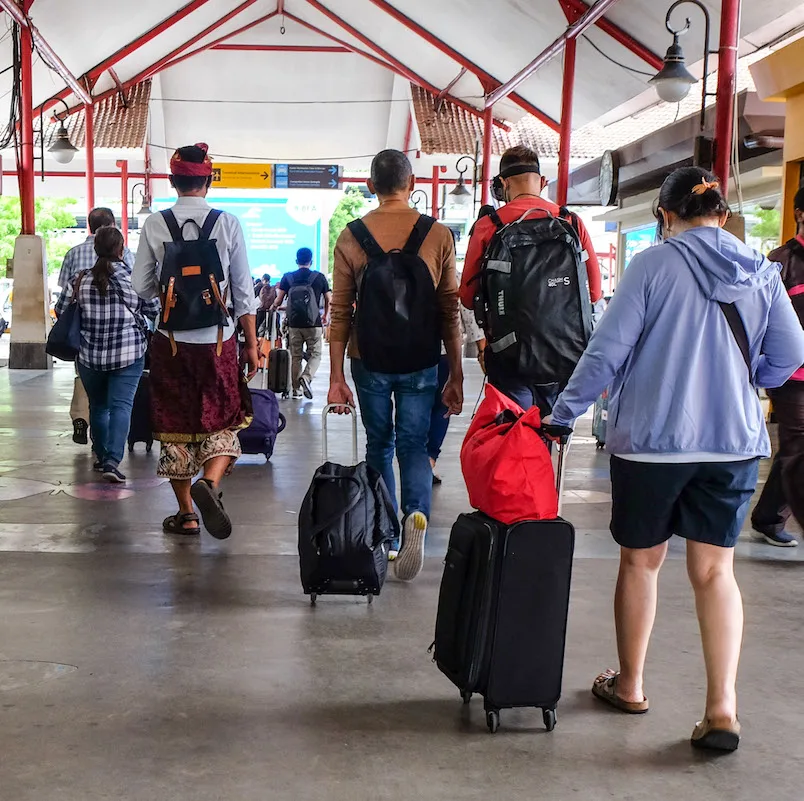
x,y
113,344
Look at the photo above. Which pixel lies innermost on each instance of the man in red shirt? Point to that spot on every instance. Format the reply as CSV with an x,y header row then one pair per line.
x,y
523,191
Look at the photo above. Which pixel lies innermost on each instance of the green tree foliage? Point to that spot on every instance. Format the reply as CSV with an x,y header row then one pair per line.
x,y
768,228
52,218
349,208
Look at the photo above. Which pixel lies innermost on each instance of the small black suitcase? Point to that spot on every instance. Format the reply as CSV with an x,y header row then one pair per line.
x,y
502,611
346,524
278,367
140,429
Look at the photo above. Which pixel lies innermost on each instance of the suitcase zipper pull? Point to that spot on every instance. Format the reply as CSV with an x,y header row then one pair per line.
x,y
431,650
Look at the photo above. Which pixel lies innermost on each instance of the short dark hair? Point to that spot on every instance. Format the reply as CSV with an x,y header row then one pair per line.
x,y
191,183
100,217
390,172
692,192
798,200
304,256
519,154
266,277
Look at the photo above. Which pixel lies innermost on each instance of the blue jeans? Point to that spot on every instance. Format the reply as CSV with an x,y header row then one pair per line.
x,y
439,422
405,427
111,398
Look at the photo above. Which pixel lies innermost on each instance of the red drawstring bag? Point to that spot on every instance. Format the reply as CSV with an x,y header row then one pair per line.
x,y
506,463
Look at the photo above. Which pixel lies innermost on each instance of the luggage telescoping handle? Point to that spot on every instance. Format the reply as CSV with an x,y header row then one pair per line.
x,y
353,414
563,435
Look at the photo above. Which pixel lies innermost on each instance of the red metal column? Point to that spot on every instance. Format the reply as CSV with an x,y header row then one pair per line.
x,y
124,198
89,144
434,190
26,166
726,72
565,147
488,134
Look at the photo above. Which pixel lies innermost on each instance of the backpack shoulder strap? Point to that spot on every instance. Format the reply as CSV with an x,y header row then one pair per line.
x,y
364,238
173,225
418,234
738,329
209,223
495,218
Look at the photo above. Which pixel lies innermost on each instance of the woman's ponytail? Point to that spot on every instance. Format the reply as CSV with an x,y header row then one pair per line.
x,y
109,249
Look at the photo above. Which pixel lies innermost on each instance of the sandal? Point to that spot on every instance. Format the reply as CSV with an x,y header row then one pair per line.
x,y
707,737
175,523
208,501
605,688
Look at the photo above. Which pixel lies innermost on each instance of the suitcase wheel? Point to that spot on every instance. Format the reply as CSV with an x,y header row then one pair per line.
x,y
493,720
549,717
371,599
148,447
313,598
467,696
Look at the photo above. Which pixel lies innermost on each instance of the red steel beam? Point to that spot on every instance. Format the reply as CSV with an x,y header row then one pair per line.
x,y
281,48
565,145
26,157
175,57
21,18
218,41
579,8
394,63
726,85
572,32
123,164
245,5
488,134
89,144
455,55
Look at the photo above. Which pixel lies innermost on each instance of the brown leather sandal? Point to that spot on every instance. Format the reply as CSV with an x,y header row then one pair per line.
x,y
605,688
721,738
175,523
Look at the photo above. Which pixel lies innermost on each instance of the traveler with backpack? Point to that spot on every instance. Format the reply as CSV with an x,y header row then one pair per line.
x,y
394,303
194,259
532,275
114,338
783,494
697,323
304,289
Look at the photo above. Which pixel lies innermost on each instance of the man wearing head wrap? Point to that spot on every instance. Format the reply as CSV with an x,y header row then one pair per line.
x,y
199,397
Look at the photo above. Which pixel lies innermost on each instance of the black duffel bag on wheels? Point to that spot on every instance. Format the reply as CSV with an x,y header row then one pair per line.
x,y
346,524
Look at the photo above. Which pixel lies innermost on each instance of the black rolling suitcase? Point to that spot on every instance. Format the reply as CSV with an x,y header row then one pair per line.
x,y
502,611
140,429
278,366
346,523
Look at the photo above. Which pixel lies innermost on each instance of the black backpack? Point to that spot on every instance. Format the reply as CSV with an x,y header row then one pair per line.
x,y
533,297
303,304
398,317
190,278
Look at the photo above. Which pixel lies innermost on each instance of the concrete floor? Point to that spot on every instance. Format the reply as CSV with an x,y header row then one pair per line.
x,y
134,666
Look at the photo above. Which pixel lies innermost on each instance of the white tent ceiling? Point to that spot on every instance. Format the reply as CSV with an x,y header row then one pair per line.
x,y
301,105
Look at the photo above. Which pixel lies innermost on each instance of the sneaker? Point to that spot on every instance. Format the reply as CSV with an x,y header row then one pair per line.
x,y
781,539
393,549
410,561
98,467
80,431
297,394
112,475
306,388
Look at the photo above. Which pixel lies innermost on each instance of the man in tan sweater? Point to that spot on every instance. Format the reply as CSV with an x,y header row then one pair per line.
x,y
401,339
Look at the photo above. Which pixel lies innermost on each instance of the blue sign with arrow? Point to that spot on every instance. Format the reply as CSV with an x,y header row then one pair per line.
x,y
307,176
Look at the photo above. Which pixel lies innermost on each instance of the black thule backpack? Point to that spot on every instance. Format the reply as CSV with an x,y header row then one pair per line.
x,y
302,303
398,317
190,278
532,298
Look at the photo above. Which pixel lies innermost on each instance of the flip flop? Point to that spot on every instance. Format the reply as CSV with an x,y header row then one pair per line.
x,y
707,737
605,688
208,501
175,524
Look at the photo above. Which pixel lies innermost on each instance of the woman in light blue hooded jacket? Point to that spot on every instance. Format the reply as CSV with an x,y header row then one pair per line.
x,y
697,323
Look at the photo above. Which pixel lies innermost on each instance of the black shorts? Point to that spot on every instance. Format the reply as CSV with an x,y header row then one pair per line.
x,y
702,501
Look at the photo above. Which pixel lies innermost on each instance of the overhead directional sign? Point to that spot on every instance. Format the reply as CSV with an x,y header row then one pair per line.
x,y
241,176
307,176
